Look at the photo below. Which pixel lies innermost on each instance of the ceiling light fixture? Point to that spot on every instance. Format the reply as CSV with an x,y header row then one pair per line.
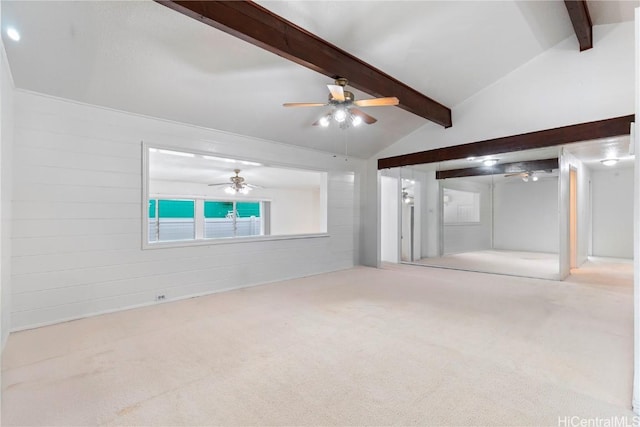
x,y
490,162
237,185
609,162
324,122
13,34
340,115
406,197
534,178
356,120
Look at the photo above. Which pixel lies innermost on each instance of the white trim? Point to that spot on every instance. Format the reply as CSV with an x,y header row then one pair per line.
x,y
636,226
229,240
145,194
223,198
207,242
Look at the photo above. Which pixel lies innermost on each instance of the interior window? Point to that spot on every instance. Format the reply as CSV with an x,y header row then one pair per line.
x,y
199,197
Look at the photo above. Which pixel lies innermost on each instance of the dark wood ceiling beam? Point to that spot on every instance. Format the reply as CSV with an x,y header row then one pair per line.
x,y
257,25
515,167
541,139
581,20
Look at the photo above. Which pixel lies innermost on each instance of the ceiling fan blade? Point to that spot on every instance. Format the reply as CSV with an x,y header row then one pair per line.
x,y
254,186
516,174
337,92
364,116
303,104
219,183
378,102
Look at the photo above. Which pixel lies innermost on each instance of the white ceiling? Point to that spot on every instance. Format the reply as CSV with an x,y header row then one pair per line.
x,y
169,165
142,57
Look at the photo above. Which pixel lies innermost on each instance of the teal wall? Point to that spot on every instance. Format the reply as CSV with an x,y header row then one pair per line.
x,y
172,208
185,209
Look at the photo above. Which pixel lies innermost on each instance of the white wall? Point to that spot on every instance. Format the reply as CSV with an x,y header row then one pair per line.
x,y
469,237
6,147
77,225
559,87
369,207
430,215
295,212
584,207
389,218
613,212
526,215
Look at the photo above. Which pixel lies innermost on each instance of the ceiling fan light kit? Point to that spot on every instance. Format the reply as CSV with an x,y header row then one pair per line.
x,y
237,185
343,102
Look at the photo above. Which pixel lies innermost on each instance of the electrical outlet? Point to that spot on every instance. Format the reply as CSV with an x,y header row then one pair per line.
x,y
160,297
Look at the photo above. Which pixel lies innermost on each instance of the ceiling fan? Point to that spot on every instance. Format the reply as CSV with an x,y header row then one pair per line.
x,y
528,175
524,175
343,105
236,185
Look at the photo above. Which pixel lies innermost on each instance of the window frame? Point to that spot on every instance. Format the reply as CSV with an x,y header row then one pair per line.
x,y
145,146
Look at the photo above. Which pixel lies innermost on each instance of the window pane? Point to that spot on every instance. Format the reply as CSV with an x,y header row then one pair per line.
x,y
153,229
152,208
221,220
176,220
175,208
217,209
218,220
248,221
247,209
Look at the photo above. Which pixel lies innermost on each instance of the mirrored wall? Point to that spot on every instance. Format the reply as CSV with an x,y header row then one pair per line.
x,y
491,215
534,213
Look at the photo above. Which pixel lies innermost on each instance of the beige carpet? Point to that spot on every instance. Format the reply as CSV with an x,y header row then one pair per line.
x,y
514,263
407,345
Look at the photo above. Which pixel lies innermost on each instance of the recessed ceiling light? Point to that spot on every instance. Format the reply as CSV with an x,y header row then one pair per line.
x,y
176,153
244,162
490,162
609,162
13,34
220,159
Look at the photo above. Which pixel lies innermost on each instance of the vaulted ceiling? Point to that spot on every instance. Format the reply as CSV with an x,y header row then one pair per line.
x,y
141,57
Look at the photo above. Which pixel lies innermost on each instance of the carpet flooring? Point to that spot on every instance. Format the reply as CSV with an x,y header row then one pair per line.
x,y
403,345
514,263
